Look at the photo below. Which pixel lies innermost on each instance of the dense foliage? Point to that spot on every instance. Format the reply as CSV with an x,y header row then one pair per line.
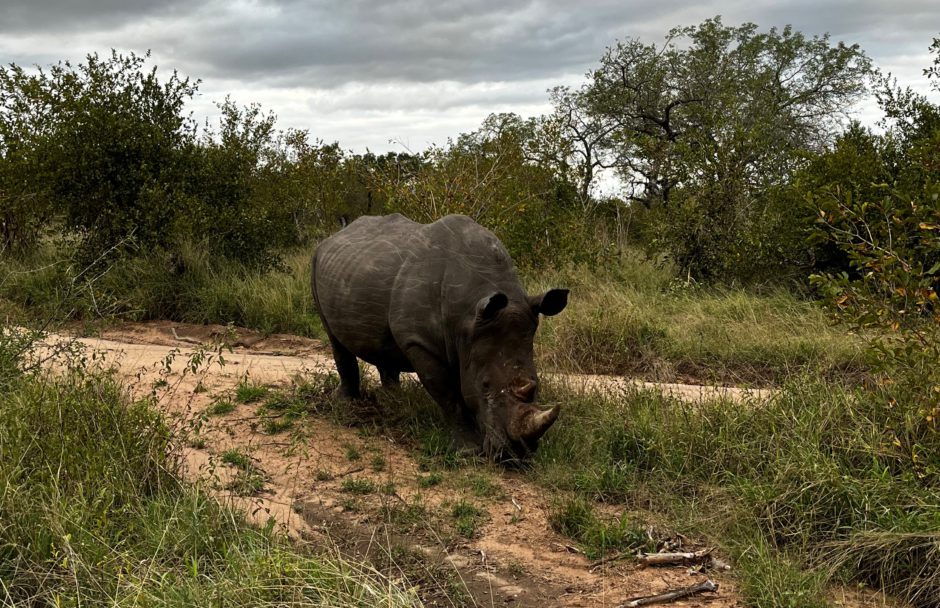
x,y
703,132
882,213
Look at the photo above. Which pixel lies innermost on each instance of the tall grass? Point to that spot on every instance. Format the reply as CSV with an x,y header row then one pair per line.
x,y
636,319
93,513
817,484
631,318
191,287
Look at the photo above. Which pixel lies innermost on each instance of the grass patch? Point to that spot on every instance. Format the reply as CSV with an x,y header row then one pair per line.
x,y
94,513
378,463
237,459
810,473
483,486
430,480
467,518
248,392
576,518
248,479
358,485
281,409
405,515
273,426
635,319
220,407
191,287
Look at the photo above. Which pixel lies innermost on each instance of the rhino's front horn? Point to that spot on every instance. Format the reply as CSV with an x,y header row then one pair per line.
x,y
537,422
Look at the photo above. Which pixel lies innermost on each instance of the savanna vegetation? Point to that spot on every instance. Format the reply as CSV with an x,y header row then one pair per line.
x,y
758,237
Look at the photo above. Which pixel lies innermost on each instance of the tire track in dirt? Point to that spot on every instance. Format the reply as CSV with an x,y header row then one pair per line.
x,y
513,559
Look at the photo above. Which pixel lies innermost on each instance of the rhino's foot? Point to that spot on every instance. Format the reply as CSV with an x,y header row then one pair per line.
x,y
347,393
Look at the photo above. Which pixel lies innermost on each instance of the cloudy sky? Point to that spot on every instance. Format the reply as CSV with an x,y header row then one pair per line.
x,y
390,75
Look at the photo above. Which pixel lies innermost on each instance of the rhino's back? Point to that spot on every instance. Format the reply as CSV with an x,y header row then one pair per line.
x,y
353,274
459,263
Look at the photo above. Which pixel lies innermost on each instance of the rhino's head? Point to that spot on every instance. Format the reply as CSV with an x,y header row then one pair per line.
x,y
497,374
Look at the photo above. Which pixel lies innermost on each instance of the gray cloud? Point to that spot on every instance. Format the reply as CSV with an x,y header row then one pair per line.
x,y
64,16
417,65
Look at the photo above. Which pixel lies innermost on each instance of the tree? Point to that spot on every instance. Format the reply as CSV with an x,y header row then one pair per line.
x,y
584,137
703,126
99,143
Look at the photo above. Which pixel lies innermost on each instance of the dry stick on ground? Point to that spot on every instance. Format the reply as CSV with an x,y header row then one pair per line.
x,y
184,338
671,559
706,586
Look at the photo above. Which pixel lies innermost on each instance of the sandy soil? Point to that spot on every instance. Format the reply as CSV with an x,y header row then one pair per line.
x,y
513,559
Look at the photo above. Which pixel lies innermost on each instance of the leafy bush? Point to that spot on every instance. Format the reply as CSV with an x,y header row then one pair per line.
x,y
890,235
101,143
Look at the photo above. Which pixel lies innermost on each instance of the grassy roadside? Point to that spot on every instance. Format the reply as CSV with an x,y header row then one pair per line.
x,y
821,487
637,320
192,288
94,513
821,484
632,319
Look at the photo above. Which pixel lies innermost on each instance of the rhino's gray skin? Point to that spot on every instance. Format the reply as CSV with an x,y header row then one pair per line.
x,y
442,300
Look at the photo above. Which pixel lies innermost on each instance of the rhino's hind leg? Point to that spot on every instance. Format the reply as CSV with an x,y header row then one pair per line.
x,y
348,368
391,377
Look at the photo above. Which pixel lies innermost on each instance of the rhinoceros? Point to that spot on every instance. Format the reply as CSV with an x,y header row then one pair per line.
x,y
442,300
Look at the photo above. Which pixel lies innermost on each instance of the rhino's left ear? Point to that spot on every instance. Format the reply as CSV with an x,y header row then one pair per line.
x,y
550,303
490,305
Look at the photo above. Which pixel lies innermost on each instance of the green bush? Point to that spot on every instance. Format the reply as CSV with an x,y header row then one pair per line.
x,y
486,176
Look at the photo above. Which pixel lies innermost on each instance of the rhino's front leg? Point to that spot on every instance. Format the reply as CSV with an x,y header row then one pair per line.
x,y
444,387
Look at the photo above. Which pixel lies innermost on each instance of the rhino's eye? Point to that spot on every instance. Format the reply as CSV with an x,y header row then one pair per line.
x,y
486,385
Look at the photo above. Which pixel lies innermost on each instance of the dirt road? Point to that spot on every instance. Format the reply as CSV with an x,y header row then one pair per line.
x,y
365,494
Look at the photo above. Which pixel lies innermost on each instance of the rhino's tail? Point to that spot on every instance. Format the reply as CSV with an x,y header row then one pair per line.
x,y
313,283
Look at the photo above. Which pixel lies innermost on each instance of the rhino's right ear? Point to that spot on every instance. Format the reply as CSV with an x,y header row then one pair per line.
x,y
550,303
490,305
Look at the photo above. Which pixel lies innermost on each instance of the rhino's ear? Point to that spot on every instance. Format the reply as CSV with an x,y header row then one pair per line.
x,y
490,305
550,303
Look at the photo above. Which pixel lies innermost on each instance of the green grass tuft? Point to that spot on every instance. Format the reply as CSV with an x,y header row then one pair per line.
x,y
577,519
247,392
220,407
360,486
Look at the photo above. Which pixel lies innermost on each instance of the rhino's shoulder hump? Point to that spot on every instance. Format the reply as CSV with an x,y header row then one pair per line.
x,y
476,245
380,222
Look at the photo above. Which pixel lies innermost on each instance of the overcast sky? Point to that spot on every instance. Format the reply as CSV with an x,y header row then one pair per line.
x,y
389,75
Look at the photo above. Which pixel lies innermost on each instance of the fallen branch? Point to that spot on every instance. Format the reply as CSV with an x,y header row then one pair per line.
x,y
184,338
349,472
706,586
672,559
